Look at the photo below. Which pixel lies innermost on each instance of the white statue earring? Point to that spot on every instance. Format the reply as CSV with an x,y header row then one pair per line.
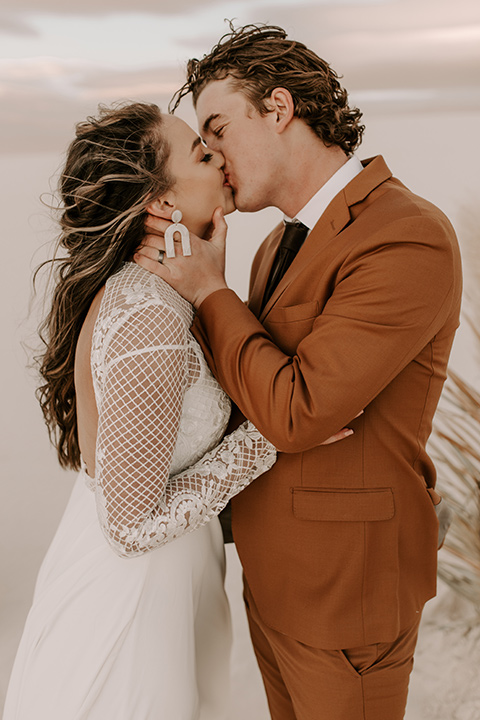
x,y
184,234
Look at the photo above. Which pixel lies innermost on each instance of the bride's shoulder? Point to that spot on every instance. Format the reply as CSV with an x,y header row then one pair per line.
x,y
132,286
137,308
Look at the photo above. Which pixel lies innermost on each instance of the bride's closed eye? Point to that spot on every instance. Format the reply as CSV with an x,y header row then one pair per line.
x,y
207,157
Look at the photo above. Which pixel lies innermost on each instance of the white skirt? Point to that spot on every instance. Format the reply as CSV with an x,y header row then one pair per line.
x,y
108,638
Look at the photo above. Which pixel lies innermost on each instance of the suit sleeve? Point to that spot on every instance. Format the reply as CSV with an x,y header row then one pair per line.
x,y
392,295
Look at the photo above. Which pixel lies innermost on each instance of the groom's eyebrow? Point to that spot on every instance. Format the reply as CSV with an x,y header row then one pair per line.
x,y
209,120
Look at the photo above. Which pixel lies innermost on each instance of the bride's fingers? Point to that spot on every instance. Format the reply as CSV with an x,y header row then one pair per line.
x,y
220,227
341,435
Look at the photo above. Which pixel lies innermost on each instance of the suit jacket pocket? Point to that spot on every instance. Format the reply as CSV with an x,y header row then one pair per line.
x,y
289,325
294,313
343,505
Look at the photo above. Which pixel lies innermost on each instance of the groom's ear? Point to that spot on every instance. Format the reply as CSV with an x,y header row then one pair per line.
x,y
162,207
282,108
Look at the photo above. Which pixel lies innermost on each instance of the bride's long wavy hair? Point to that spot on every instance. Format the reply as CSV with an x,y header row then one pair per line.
x,y
115,166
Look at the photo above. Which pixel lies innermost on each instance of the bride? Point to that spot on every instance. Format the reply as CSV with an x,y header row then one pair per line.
x,y
117,631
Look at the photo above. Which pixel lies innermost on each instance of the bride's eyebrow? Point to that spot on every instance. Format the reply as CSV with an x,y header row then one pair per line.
x,y
195,144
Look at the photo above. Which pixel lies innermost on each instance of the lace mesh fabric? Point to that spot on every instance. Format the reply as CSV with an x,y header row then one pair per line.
x,y
160,411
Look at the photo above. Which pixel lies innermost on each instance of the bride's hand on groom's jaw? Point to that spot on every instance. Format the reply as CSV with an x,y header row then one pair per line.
x,y
195,276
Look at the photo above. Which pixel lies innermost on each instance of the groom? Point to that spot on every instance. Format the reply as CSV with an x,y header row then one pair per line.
x,y
355,308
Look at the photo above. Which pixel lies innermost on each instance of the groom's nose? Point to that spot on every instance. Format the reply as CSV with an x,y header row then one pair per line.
x,y
218,159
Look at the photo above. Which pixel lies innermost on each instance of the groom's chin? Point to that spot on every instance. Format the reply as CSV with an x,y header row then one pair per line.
x,y
238,204
234,203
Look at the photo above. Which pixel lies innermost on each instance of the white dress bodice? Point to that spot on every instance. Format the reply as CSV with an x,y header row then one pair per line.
x,y
160,411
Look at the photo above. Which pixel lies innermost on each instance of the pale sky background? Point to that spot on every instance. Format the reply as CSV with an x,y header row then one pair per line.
x,y
412,66
59,59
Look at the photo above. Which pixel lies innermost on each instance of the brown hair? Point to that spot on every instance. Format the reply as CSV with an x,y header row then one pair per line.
x,y
258,59
115,166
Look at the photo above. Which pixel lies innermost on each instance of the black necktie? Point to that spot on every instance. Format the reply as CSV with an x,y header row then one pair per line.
x,y
291,242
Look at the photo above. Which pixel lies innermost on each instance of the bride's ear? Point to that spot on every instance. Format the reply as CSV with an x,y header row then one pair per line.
x,y
162,207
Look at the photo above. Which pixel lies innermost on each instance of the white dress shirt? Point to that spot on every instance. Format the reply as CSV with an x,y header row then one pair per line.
x,y
311,213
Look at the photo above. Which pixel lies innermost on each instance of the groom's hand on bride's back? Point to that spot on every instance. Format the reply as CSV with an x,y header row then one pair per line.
x,y
195,276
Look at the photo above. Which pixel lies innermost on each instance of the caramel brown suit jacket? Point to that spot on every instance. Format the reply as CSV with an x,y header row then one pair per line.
x,y
339,542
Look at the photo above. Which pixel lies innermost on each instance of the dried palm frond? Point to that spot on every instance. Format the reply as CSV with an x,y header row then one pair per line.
x,y
455,447
455,442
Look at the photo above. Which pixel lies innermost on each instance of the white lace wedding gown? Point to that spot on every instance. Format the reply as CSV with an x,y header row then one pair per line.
x,y
145,638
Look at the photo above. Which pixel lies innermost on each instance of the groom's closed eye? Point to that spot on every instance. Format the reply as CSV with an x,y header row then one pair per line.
x,y
215,131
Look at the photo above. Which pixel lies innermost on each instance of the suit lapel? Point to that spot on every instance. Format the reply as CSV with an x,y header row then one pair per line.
x,y
331,223
269,251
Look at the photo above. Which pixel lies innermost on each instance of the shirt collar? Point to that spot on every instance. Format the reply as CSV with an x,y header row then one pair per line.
x,y
310,214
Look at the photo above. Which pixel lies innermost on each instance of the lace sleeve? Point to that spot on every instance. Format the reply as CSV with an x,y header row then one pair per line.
x,y
142,389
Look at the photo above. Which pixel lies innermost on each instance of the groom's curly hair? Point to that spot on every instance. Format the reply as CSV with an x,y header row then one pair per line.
x,y
260,58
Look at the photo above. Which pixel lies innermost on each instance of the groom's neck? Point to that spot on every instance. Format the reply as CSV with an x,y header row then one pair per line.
x,y
309,164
